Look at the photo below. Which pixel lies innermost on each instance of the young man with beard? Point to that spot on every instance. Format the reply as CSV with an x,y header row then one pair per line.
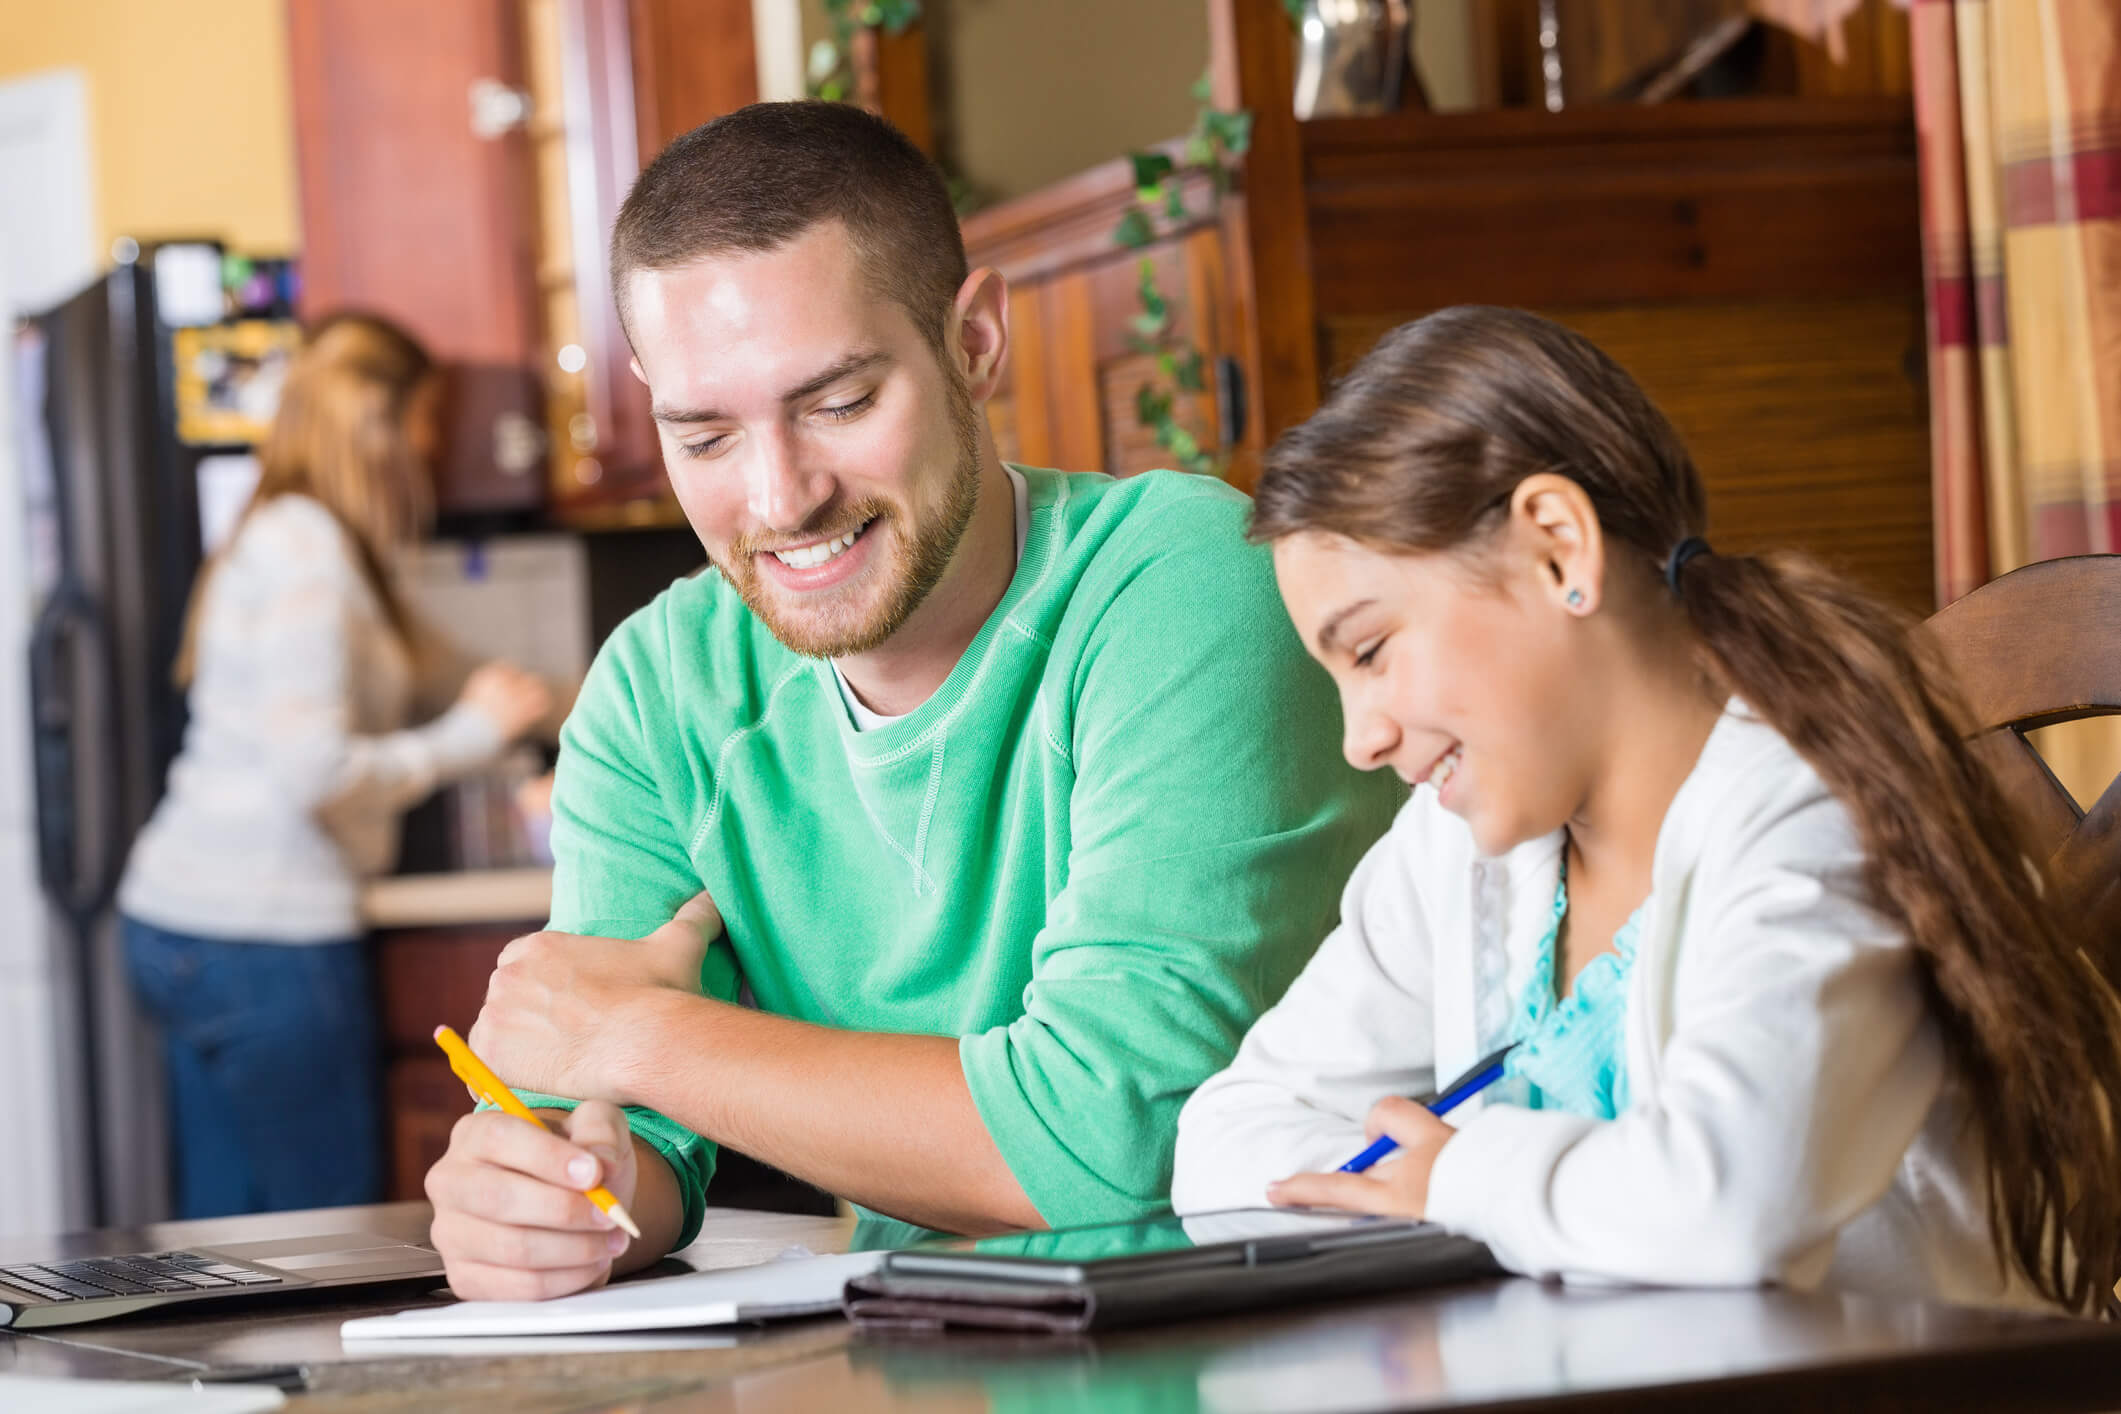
x,y
1003,785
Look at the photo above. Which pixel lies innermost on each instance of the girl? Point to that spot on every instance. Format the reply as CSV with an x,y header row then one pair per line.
x,y
240,903
1699,831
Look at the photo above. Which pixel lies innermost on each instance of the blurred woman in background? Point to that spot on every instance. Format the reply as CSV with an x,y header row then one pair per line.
x,y
313,692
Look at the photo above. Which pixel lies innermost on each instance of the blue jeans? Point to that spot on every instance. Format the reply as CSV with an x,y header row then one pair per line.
x,y
275,1069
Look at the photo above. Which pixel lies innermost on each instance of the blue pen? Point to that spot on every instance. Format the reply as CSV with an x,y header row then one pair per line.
x,y
1485,1072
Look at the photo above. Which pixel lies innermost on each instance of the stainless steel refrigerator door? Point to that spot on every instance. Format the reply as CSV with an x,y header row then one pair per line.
x,y
89,710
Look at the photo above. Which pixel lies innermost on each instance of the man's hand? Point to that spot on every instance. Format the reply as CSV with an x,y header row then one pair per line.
x,y
1398,1185
562,1011
511,1221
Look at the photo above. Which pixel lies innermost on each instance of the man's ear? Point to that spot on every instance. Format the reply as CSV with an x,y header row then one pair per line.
x,y
638,371
980,346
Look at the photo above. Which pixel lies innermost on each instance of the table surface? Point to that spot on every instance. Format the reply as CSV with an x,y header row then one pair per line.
x,y
1490,1345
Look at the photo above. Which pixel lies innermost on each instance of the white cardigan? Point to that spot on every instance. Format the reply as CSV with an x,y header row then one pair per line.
x,y
298,759
1792,1118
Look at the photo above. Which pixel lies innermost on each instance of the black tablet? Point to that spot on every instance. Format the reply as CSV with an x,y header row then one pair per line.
x,y
1240,1237
1158,1269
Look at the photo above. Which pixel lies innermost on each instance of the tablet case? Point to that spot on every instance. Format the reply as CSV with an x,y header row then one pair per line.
x,y
932,1302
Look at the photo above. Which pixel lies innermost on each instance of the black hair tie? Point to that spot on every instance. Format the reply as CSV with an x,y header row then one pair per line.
x,y
1685,550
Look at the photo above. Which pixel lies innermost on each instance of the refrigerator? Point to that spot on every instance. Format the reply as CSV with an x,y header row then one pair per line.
x,y
110,506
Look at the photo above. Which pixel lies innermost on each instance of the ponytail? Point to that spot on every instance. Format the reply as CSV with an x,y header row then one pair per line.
x,y
1419,450
2023,1014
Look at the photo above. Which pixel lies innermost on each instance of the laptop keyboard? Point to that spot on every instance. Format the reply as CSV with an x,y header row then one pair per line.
x,y
145,1274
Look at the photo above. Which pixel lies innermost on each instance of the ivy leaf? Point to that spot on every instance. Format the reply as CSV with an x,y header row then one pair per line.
x,y
824,60
1174,203
1151,408
1148,326
1232,129
1181,443
832,91
1188,373
1295,11
1134,229
1152,298
1203,88
1200,150
1150,168
896,16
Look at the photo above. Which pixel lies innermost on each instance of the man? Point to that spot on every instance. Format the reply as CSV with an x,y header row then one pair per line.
x,y
1012,796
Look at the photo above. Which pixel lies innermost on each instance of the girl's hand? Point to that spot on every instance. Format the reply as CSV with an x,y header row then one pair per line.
x,y
1397,1184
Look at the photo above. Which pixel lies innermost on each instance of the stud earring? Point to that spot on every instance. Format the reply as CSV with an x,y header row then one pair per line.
x,y
1575,599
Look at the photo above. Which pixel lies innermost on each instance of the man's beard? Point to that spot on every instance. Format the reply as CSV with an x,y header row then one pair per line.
x,y
915,559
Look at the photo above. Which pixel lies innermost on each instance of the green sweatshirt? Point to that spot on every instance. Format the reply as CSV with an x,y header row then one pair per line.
x,y
1106,844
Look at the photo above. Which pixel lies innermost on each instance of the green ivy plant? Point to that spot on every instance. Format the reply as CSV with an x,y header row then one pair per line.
x,y
830,70
831,61
1217,136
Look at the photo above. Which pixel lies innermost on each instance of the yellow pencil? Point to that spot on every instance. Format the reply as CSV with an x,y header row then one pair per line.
x,y
487,1086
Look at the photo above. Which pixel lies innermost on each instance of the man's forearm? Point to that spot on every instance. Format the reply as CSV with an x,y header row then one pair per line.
x,y
883,1120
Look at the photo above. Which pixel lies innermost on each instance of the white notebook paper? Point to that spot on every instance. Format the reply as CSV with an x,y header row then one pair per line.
x,y
56,1396
804,1286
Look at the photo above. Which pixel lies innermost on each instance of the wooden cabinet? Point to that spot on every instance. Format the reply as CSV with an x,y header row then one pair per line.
x,y
1067,395
460,167
417,204
1756,264
429,977
612,82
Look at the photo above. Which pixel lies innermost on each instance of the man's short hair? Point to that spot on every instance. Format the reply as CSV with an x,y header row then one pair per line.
x,y
755,179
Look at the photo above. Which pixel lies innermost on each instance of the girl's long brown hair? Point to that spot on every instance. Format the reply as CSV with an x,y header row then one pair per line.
x,y
340,438
1419,450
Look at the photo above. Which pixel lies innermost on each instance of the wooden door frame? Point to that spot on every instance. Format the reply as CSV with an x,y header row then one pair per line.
x,y
1266,225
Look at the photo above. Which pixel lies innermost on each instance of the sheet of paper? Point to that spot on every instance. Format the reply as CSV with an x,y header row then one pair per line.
x,y
803,1287
619,1343
133,1397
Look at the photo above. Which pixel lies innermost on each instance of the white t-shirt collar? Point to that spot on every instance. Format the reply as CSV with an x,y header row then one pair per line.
x,y
866,720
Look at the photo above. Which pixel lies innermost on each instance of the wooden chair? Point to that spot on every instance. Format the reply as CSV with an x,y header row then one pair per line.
x,y
2039,646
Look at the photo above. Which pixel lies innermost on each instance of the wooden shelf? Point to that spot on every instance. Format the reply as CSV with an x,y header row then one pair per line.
x,y
1681,120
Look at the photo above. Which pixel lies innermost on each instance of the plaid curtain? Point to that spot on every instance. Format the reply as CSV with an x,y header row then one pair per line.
x,y
2018,109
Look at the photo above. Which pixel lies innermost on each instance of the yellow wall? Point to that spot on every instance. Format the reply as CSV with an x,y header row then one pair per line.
x,y
1031,91
1037,91
190,120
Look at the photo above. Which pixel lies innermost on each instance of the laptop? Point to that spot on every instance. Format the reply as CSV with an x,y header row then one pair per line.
x,y
77,1289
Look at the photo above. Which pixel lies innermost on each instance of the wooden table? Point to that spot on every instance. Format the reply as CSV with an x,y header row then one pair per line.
x,y
1495,1345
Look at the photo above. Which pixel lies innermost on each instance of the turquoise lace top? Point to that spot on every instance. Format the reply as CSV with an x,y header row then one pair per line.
x,y
1572,1049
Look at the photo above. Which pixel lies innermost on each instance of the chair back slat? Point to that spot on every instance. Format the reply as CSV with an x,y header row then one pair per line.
x,y
2039,646
2043,806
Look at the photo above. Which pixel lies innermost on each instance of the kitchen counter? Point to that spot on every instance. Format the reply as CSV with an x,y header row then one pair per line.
x,y
467,897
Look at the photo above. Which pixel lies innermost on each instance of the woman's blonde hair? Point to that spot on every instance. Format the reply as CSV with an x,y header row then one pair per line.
x,y
340,438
